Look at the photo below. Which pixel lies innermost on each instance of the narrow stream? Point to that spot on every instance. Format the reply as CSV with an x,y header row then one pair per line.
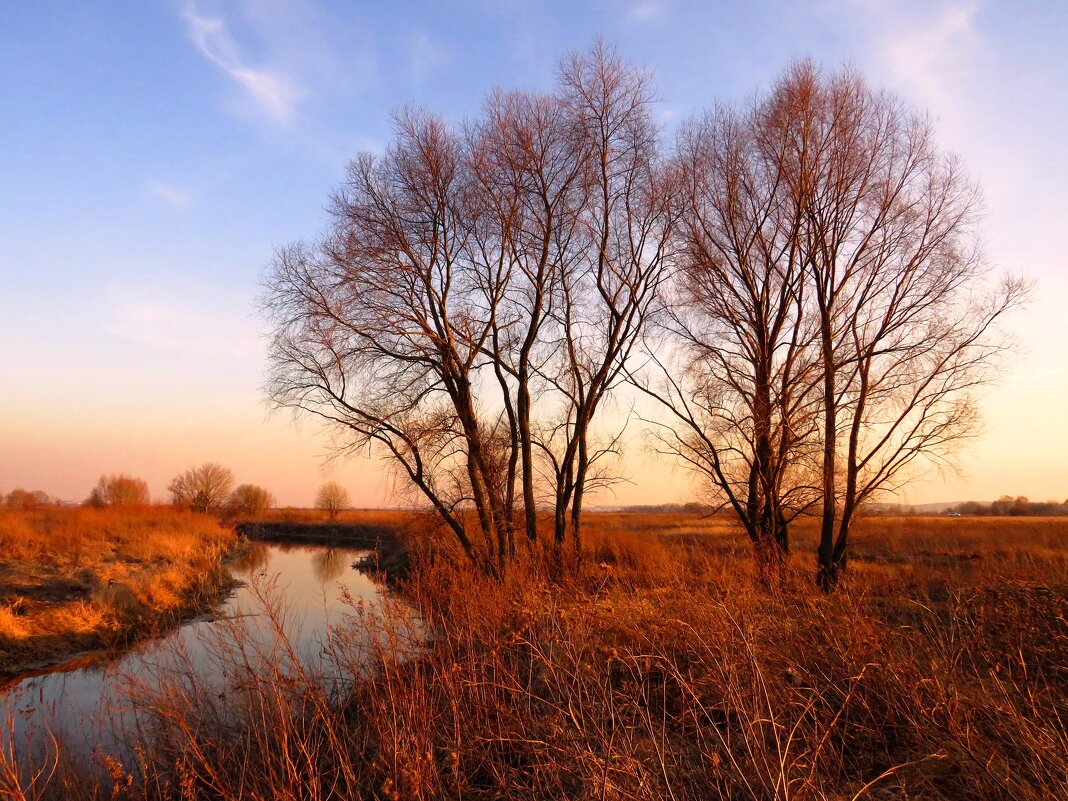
x,y
293,603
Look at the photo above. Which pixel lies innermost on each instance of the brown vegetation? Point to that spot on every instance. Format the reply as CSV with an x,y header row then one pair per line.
x,y
79,579
661,668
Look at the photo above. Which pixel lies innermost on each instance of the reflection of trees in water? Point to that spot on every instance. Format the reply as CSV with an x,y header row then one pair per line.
x,y
253,556
329,565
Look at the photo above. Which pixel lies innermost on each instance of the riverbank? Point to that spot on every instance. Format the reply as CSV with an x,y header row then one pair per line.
x,y
385,533
79,580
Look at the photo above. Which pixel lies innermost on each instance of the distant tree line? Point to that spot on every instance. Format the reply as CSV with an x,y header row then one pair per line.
x,y
207,488
796,288
1009,506
210,488
20,498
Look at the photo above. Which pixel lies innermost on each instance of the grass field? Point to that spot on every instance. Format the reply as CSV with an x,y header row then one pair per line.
x,y
660,669
79,579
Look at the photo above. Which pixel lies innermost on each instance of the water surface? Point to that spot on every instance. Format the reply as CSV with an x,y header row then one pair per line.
x,y
299,607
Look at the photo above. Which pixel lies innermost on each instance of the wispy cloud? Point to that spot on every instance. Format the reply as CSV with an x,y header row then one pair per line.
x,y
191,321
175,198
424,55
275,94
648,11
927,49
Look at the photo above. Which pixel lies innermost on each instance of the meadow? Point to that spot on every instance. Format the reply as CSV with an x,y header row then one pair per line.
x,y
79,579
658,667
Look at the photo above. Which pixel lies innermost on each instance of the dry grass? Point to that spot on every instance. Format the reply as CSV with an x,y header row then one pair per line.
x,y
75,579
659,669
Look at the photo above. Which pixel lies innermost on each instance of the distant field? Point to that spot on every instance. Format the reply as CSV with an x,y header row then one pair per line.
x,y
291,514
904,553
910,543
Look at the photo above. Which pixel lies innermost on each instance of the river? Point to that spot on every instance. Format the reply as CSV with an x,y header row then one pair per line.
x,y
297,608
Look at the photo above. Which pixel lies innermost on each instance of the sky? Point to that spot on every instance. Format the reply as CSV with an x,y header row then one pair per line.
x,y
153,155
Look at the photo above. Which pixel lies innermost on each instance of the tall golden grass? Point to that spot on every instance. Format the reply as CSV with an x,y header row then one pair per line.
x,y
73,579
658,668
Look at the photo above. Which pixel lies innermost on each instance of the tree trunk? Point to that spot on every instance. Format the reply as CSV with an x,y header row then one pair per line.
x,y
826,570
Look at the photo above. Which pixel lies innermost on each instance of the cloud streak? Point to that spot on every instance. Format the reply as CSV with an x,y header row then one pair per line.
x,y
647,12
424,56
275,94
172,196
184,330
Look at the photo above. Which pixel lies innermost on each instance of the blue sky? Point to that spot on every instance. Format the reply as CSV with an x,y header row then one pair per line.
x,y
153,154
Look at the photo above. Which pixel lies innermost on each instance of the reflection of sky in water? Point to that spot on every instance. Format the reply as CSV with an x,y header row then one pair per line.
x,y
313,591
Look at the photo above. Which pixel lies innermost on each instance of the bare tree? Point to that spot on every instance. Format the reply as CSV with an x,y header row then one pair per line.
x,y
906,318
738,376
119,490
607,291
332,498
529,158
382,328
248,500
202,489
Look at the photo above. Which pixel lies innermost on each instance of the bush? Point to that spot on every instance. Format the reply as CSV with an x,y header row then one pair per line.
x,y
248,500
120,490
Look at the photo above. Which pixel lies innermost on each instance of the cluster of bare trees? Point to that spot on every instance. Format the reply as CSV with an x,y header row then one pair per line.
x,y
797,287
1013,506
830,312
210,488
119,490
476,301
24,499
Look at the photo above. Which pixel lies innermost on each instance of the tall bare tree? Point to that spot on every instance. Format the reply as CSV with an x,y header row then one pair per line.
x,y
529,158
738,379
607,292
906,316
477,289
382,328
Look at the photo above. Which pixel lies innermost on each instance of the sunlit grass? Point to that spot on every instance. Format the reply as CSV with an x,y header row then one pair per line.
x,y
72,579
